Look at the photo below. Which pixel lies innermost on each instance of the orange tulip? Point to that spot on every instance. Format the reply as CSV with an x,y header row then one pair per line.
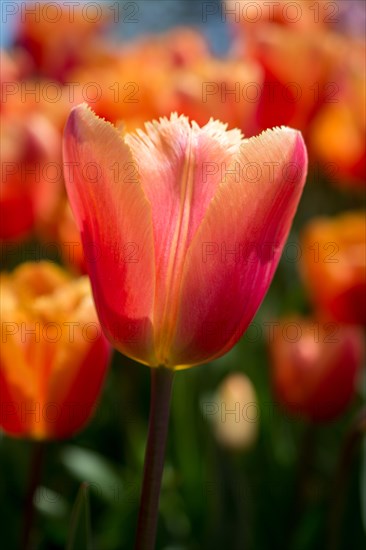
x,y
128,88
298,53
337,135
51,33
334,266
136,82
164,210
227,89
54,355
315,366
178,47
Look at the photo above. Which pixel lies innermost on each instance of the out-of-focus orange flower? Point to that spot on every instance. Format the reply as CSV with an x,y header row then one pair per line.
x,y
234,412
178,47
137,81
162,223
54,355
298,73
334,266
127,88
300,55
33,116
52,34
337,135
31,176
225,89
315,366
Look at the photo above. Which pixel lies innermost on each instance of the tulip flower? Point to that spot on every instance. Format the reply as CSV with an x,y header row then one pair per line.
x,y
228,89
336,136
28,192
298,57
315,366
51,34
187,224
178,47
334,266
177,220
54,354
130,89
142,79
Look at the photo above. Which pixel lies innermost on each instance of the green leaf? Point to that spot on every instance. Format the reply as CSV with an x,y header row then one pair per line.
x,y
80,528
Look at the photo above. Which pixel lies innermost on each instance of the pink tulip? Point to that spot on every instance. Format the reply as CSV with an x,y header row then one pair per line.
x,y
182,229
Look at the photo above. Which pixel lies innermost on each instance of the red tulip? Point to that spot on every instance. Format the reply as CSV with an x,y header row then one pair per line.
x,y
315,366
164,209
54,354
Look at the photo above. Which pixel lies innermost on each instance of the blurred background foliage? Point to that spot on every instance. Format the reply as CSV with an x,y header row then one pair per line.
x,y
287,488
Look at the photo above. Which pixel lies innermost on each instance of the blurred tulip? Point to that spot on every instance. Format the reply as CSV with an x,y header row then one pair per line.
x,y
337,135
334,266
129,89
315,366
299,54
298,74
225,89
235,415
136,81
51,33
178,47
54,355
164,216
29,189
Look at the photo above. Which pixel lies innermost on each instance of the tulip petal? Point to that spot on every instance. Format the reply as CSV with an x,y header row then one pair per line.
x,y
114,218
234,254
179,167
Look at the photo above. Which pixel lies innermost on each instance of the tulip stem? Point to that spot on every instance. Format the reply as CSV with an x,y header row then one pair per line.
x,y
37,460
341,480
161,390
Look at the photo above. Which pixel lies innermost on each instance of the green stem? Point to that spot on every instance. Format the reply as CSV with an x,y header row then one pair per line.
x,y
38,453
339,492
161,389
